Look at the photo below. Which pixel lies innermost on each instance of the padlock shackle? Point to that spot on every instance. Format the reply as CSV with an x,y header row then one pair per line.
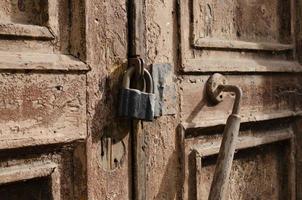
x,y
147,77
127,76
149,81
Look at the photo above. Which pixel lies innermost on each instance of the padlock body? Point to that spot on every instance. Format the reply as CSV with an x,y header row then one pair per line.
x,y
135,104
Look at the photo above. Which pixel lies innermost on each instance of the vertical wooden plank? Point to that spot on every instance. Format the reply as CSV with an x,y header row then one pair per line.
x,y
298,158
56,184
107,46
293,26
298,30
292,170
139,160
181,132
198,160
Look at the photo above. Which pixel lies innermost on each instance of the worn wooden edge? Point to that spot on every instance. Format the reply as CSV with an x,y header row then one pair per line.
x,y
292,169
237,44
40,62
293,19
29,141
198,165
240,65
26,172
23,30
181,136
182,18
244,142
245,119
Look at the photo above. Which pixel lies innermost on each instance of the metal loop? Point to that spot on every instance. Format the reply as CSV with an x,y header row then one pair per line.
x,y
127,76
138,64
148,81
141,68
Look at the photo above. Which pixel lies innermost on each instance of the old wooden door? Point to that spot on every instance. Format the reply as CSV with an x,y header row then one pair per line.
x,y
43,99
60,69
255,44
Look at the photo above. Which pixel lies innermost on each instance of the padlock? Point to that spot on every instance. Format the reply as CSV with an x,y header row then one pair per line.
x,y
136,104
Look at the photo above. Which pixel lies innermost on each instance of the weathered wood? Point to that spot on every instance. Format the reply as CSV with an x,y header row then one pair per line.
x,y
252,118
297,126
54,166
41,108
235,44
210,20
298,30
198,160
293,23
240,65
25,172
106,41
40,62
265,97
102,43
264,177
206,146
244,142
20,30
37,140
24,12
292,169
183,159
42,98
205,27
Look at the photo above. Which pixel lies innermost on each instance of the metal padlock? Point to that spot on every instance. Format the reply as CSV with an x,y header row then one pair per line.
x,y
136,104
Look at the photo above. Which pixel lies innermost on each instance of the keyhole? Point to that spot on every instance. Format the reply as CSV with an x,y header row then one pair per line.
x,y
112,153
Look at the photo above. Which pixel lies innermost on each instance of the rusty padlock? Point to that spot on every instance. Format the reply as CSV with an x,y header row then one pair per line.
x,y
134,103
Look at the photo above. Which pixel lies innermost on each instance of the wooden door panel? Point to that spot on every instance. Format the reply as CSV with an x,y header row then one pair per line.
x,y
241,23
264,97
43,98
244,35
264,163
254,44
257,173
49,167
40,109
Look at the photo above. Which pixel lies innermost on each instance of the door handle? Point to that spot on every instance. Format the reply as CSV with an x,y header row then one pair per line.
x,y
216,88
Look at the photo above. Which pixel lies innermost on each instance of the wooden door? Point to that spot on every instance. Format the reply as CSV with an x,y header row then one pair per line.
x,y
254,44
43,99
61,64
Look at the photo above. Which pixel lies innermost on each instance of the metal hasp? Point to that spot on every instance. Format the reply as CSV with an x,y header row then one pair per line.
x,y
216,88
136,104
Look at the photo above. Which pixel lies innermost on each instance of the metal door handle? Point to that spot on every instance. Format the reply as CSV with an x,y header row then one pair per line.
x,y
216,86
